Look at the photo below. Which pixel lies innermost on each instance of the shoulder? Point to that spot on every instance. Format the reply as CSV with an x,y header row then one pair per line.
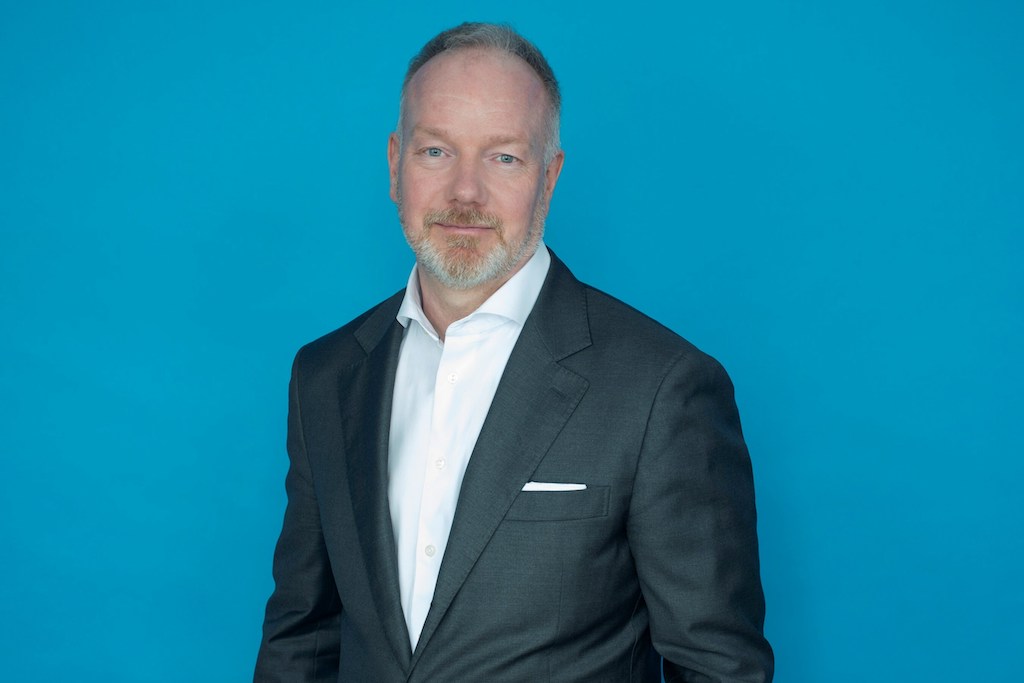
x,y
614,319
598,335
352,341
621,330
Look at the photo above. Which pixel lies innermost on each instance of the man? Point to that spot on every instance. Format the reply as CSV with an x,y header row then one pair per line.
x,y
502,474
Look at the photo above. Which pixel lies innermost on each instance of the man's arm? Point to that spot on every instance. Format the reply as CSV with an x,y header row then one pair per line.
x,y
300,630
693,531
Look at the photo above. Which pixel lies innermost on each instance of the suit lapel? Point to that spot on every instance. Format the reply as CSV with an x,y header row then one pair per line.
x,y
366,426
534,400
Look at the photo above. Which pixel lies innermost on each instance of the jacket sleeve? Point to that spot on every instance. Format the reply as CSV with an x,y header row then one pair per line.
x,y
300,630
693,531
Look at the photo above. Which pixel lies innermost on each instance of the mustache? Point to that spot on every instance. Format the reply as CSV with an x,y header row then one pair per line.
x,y
461,216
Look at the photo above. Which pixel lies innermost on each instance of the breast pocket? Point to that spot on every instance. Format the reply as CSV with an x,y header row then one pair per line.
x,y
559,506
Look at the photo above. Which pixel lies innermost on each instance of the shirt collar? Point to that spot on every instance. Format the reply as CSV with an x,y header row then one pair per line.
x,y
513,301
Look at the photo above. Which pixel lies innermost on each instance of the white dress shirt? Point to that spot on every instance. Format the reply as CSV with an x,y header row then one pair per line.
x,y
443,391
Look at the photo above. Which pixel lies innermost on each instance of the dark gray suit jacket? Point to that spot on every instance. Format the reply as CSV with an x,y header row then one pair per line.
x,y
658,556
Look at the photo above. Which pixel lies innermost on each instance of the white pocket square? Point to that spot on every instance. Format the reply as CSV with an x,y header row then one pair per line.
x,y
551,486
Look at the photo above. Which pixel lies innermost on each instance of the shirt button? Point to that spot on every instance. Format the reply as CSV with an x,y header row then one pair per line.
x,y
452,377
439,463
430,550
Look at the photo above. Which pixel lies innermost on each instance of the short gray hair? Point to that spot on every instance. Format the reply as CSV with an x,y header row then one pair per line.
x,y
503,38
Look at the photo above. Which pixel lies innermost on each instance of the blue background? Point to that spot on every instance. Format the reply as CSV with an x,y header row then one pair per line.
x,y
827,197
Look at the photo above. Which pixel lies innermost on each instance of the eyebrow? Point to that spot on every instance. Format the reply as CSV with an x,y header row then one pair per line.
x,y
493,140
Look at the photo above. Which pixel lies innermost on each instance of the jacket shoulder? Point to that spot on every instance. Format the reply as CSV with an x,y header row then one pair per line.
x,y
353,340
618,326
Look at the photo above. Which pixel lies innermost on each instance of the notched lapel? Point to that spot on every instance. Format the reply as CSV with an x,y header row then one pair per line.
x,y
366,391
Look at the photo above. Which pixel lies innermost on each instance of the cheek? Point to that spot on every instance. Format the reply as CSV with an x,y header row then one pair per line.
x,y
537,204
522,200
417,189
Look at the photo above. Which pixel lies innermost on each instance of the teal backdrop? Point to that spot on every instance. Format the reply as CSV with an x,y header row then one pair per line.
x,y
827,196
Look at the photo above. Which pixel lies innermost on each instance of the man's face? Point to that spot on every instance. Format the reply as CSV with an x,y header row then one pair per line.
x,y
469,177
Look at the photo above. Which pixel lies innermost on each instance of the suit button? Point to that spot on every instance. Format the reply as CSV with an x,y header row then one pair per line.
x,y
430,550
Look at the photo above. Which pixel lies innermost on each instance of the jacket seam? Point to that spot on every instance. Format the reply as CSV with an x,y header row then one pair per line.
x,y
647,423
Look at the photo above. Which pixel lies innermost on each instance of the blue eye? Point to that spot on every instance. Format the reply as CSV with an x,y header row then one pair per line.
x,y
506,158
434,151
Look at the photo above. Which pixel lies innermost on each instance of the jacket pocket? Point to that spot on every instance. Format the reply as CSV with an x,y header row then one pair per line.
x,y
557,506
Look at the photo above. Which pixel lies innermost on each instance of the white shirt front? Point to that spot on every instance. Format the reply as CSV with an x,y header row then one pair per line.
x,y
443,391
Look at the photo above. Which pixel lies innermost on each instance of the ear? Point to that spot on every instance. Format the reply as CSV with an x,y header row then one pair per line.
x,y
394,157
551,173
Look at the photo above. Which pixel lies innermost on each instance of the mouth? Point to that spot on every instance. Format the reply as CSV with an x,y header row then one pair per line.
x,y
462,227
460,221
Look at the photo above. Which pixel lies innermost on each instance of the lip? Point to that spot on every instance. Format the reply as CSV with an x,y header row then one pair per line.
x,y
471,228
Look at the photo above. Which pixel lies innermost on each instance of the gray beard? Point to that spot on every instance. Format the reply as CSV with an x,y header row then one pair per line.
x,y
460,266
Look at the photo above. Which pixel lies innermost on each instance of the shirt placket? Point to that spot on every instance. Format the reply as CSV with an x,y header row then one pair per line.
x,y
435,514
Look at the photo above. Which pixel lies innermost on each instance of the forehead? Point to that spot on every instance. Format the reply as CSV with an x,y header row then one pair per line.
x,y
485,85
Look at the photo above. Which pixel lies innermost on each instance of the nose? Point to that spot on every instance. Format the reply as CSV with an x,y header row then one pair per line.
x,y
468,186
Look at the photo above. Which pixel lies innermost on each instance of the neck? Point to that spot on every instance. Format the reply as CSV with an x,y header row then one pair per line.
x,y
443,306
